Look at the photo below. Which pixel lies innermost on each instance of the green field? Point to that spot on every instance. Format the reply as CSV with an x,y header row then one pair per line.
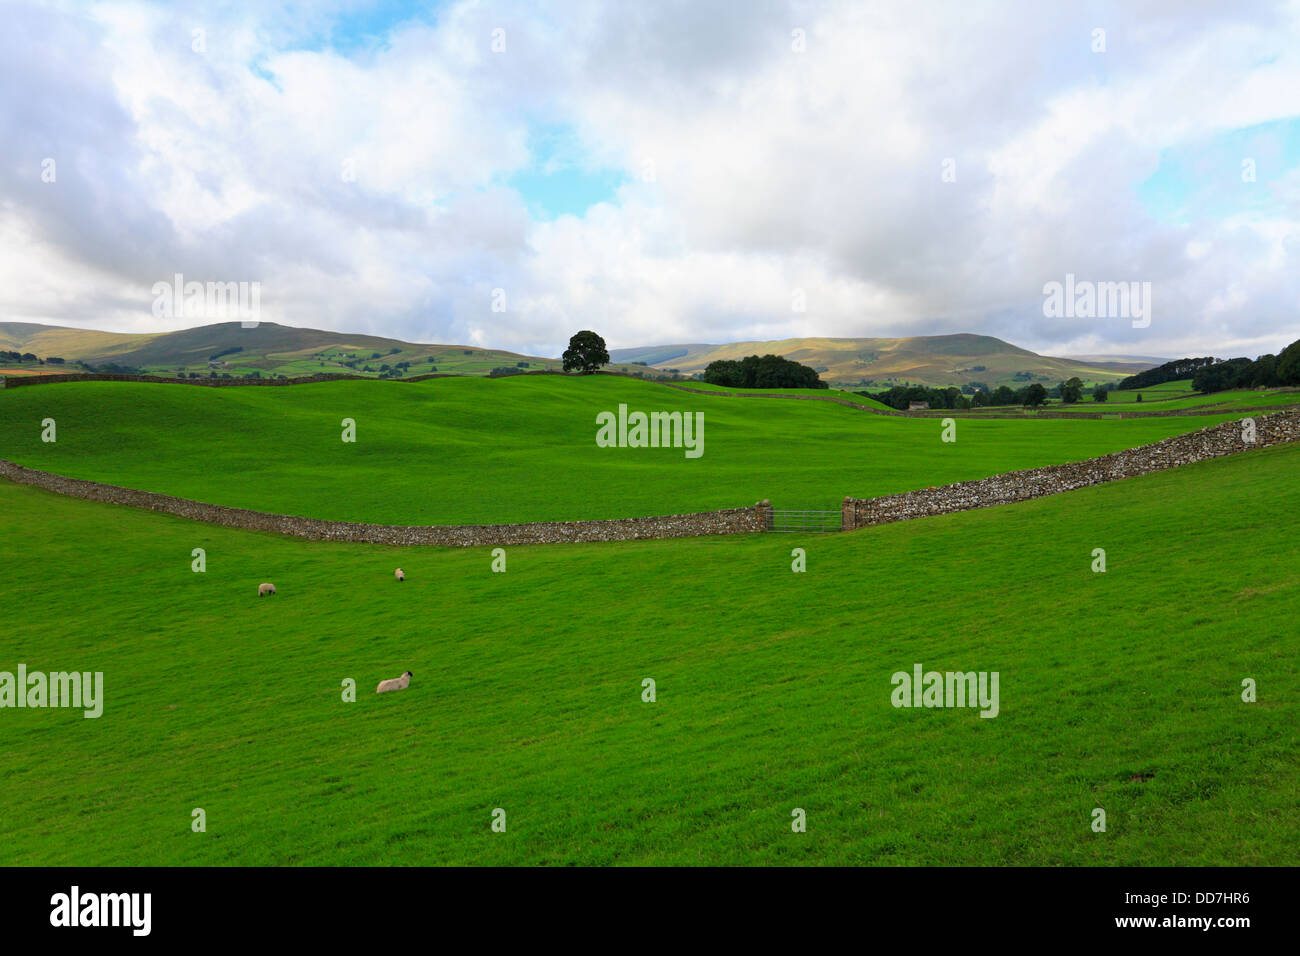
x,y
1118,690
1235,398
1155,393
465,450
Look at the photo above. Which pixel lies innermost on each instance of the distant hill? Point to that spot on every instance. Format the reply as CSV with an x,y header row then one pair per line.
x,y
226,348
268,349
926,359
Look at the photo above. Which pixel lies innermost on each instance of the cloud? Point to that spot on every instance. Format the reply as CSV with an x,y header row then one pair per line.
x,y
773,155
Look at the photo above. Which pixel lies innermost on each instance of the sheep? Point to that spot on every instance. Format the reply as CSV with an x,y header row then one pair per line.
x,y
397,683
399,574
265,589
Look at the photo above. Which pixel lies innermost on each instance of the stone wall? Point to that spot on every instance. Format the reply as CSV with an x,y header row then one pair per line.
x,y
726,521
1211,442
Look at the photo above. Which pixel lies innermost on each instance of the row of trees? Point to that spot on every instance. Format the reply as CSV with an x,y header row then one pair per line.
x,y
901,396
1267,371
1173,371
8,356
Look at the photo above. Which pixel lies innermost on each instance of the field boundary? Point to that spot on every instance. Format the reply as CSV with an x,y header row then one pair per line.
x,y
1213,441
725,521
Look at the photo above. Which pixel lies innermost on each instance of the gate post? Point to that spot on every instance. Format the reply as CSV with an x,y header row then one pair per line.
x,y
764,511
848,515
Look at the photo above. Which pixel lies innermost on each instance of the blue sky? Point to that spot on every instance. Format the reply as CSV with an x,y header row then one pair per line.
x,y
559,180
1204,179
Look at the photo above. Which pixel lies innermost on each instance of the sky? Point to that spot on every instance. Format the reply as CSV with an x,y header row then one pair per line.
x,y
503,174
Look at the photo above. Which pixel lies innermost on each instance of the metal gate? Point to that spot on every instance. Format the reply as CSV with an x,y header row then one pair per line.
x,y
807,522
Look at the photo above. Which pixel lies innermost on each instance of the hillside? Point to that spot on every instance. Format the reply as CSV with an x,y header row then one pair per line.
x,y
268,349
926,360
773,690
480,451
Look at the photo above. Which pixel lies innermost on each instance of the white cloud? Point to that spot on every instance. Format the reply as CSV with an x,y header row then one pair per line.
x,y
362,187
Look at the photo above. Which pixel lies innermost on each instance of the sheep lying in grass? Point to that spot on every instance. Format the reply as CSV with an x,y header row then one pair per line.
x,y
399,574
265,589
397,683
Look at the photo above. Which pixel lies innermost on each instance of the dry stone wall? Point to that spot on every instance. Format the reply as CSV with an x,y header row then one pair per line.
x,y
726,521
1211,442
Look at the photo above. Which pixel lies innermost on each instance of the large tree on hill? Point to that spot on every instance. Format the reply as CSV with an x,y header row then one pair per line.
x,y
586,353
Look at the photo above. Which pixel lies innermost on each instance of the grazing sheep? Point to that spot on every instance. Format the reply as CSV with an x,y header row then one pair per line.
x,y
399,574
397,683
265,589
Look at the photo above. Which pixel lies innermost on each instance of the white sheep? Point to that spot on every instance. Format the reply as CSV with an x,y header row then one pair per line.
x,y
265,589
399,574
397,683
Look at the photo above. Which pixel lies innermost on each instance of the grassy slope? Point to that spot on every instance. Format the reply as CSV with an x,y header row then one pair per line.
x,y
847,395
1235,398
519,449
773,690
1182,388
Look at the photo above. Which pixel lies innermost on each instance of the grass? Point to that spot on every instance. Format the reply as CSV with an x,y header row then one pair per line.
x,y
844,394
1182,388
773,689
465,450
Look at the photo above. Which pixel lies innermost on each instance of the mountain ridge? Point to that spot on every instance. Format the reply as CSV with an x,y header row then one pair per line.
x,y
951,359
275,349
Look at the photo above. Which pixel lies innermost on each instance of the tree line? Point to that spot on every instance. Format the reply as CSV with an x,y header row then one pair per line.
x,y
1209,374
901,396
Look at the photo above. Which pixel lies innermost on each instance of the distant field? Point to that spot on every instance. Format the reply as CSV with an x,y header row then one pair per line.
x,y
1118,690
844,394
1155,393
1236,398
472,450
1165,399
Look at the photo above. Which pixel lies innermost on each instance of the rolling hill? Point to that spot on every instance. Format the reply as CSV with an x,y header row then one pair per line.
x,y
480,451
269,349
927,360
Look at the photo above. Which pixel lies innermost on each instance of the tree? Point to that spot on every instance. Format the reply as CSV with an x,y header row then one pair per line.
x,y
726,373
586,353
1100,394
1071,391
1035,395
1288,365
1221,375
1263,373
1005,395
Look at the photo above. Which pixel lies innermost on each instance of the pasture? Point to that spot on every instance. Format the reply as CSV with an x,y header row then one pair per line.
x,y
473,450
1118,690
